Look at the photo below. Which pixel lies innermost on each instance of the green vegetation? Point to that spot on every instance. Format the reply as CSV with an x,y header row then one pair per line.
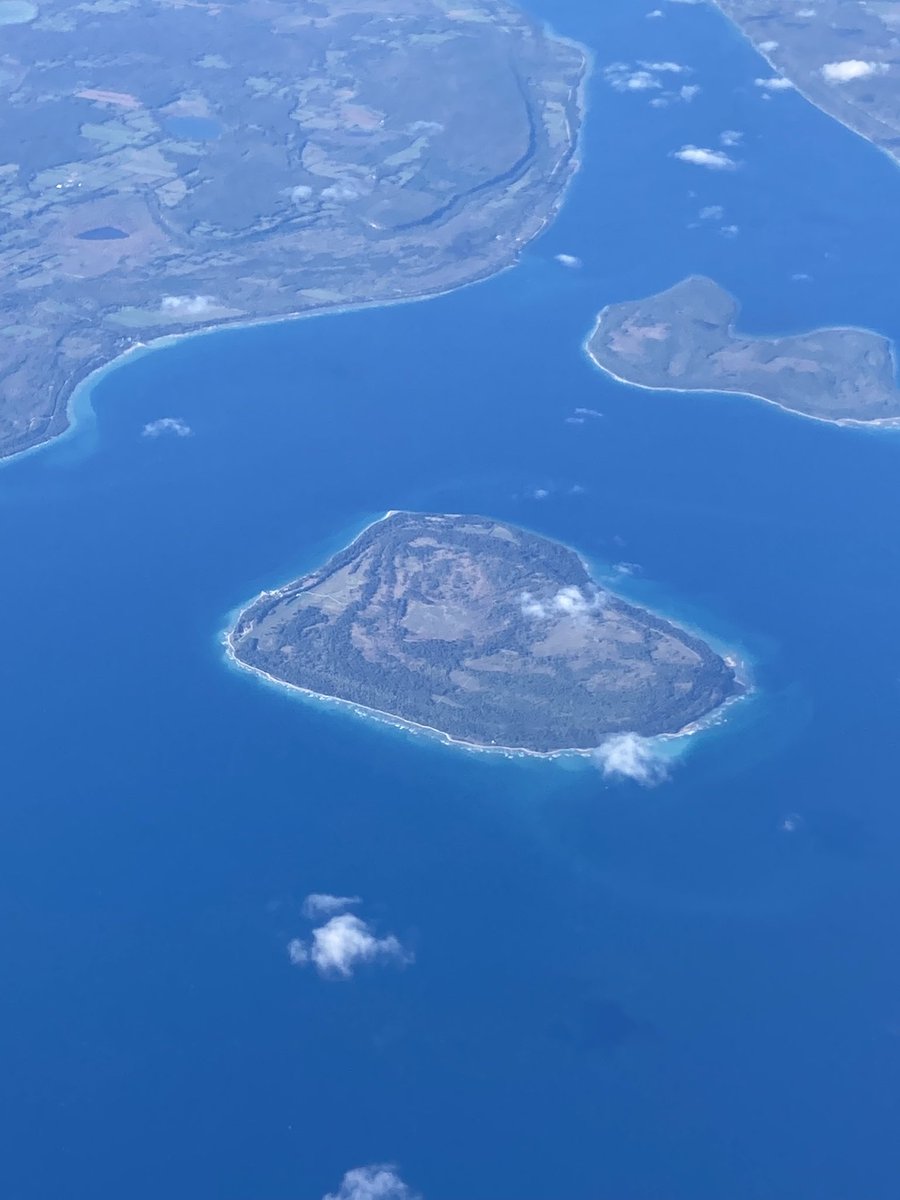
x,y
685,339
484,632
261,160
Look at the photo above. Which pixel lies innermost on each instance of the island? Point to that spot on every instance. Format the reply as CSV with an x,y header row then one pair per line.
x,y
840,54
483,633
169,167
684,339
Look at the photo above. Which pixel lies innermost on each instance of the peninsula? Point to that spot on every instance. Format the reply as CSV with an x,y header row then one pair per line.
x,y
684,339
482,632
176,166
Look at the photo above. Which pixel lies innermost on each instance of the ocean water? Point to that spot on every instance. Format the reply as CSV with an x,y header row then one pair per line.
x,y
688,992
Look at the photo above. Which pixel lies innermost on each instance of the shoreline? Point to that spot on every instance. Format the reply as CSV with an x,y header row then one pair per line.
x,y
77,402
715,717
877,424
895,161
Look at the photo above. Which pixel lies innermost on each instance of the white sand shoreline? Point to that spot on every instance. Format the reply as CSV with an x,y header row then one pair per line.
x,y
878,424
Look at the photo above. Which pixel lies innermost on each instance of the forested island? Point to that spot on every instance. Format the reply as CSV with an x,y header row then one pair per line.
x,y
684,339
483,632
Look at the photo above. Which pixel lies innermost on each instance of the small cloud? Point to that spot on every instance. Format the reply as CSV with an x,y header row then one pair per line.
x,y
645,76
569,602
768,47
588,412
341,192
699,156
341,944
655,14
377,1182
167,425
630,756
790,823
711,212
297,952
775,83
569,260
730,231
532,608
669,68
731,137
301,192
187,306
624,78
540,493
320,904
850,69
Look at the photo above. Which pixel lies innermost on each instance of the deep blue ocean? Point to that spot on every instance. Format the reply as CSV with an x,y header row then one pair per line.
x,y
619,993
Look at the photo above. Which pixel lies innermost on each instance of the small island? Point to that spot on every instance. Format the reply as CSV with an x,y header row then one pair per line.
x,y
684,339
483,633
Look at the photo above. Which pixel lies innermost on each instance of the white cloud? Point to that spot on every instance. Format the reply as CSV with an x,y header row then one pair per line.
x,y
301,192
187,306
588,412
625,78
341,191
572,602
712,212
320,904
730,230
731,137
540,493
630,756
671,68
567,602
699,156
341,944
654,14
768,47
532,608
167,425
297,952
377,1182
850,69
645,76
569,260
775,83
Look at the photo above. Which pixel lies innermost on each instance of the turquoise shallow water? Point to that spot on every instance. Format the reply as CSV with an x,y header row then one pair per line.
x,y
617,992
